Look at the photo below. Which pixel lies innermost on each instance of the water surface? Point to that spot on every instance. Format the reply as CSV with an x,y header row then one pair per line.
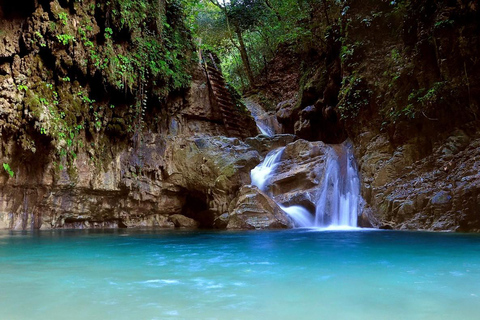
x,y
295,274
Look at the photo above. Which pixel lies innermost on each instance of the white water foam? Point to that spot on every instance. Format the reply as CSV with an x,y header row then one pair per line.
x,y
264,121
301,216
262,173
265,129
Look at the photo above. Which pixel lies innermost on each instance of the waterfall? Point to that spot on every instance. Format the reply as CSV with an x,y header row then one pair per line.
x,y
338,197
264,121
261,173
302,217
339,194
264,128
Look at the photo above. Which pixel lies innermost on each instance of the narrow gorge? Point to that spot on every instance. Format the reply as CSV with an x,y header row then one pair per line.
x,y
240,159
112,116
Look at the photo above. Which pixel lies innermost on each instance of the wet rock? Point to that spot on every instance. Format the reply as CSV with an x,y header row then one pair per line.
x,y
255,210
299,173
212,169
286,113
221,222
264,144
368,219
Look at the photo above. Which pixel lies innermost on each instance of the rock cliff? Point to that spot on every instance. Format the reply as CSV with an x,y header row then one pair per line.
x,y
107,120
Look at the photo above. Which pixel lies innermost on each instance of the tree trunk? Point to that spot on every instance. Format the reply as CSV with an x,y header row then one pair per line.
x,y
245,60
325,11
269,5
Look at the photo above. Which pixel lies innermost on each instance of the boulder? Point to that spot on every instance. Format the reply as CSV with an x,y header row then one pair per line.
x,y
180,221
210,169
299,173
264,144
253,209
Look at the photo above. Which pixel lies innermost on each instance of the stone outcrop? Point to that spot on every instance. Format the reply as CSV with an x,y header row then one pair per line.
x,y
299,174
94,139
405,189
253,209
151,186
264,144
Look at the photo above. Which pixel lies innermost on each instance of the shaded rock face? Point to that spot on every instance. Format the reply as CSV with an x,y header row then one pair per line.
x,y
406,189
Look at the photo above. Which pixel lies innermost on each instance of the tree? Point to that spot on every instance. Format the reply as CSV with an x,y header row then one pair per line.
x,y
247,33
241,16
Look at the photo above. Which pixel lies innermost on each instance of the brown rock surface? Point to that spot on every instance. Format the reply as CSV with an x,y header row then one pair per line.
x,y
299,174
253,209
439,191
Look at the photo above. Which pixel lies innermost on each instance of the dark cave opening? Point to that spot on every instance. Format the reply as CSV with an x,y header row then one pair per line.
x,y
11,10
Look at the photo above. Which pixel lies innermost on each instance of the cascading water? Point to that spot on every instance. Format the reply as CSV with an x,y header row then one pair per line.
x,y
339,195
338,198
261,173
263,120
265,129
302,217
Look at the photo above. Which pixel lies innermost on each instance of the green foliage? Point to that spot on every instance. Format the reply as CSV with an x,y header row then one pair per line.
x,y
423,99
39,37
57,119
159,52
9,170
264,25
420,101
443,24
65,39
63,17
353,96
108,33
22,87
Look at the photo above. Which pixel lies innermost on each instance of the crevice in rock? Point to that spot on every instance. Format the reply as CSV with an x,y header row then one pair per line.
x,y
196,207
